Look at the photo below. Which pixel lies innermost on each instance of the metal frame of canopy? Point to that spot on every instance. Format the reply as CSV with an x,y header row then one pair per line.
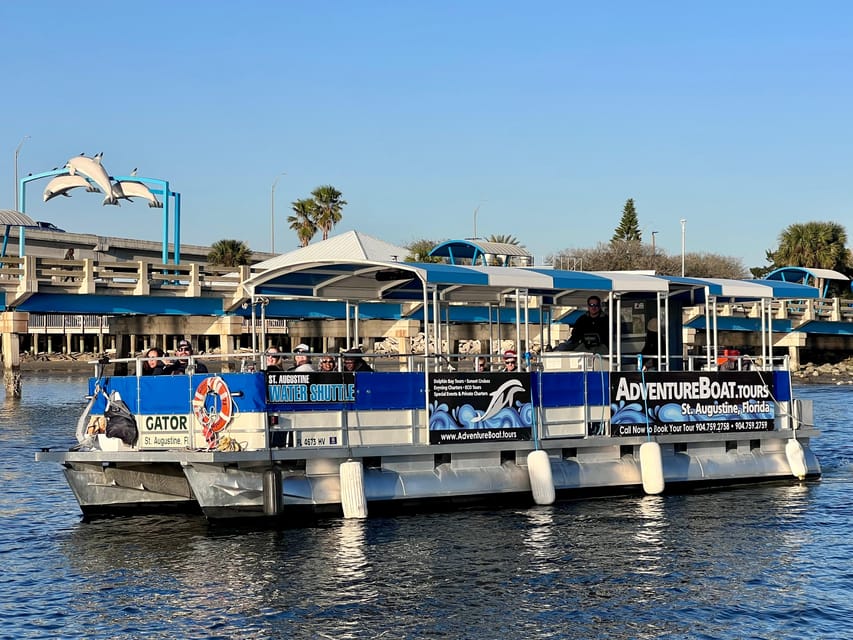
x,y
434,285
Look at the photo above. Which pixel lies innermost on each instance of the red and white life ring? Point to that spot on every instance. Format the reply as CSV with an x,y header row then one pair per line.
x,y
213,416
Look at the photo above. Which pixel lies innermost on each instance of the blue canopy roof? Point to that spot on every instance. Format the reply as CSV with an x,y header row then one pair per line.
x,y
373,281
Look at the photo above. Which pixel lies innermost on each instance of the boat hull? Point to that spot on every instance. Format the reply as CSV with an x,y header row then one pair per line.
x,y
231,486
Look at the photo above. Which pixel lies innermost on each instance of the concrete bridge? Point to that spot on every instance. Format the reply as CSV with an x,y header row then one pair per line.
x,y
127,305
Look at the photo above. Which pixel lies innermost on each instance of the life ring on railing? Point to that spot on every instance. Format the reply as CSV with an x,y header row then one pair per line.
x,y
213,407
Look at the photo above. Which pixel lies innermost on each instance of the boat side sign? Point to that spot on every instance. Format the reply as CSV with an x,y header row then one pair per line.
x,y
685,403
310,388
479,407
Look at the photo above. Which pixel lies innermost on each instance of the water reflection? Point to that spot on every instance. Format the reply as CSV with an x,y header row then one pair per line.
x,y
539,540
649,535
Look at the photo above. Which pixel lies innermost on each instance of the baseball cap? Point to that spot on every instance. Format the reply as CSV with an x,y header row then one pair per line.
x,y
302,347
509,353
185,344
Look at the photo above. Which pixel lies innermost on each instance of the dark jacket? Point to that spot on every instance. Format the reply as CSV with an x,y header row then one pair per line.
x,y
157,370
587,332
179,367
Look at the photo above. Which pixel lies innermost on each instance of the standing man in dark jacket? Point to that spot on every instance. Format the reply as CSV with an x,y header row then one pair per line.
x,y
590,332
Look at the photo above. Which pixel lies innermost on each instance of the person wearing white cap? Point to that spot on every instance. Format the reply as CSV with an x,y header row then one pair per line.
x,y
301,358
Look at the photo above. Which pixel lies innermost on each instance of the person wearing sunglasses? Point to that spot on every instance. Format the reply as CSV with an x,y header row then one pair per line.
x,y
273,359
181,362
510,361
590,332
327,364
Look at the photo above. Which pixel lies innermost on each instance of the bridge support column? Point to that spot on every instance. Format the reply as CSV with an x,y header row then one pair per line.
x,y
13,324
794,341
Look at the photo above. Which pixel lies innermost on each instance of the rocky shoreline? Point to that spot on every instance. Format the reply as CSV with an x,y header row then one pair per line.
x,y
837,373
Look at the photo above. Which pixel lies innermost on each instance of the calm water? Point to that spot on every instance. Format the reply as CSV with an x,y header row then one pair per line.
x,y
766,562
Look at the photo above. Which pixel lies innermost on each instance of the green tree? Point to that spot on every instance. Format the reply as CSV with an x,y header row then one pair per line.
x,y
629,226
229,253
419,250
303,220
812,244
329,206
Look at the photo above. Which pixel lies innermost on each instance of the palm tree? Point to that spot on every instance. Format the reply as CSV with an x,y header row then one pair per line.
x,y
229,253
504,238
304,221
329,204
812,244
419,250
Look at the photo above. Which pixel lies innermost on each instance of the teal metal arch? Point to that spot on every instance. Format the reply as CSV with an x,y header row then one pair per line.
x,y
161,188
819,278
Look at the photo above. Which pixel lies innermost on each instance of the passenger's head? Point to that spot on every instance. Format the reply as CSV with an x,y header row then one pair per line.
x,y
481,364
352,359
300,354
273,357
510,360
184,348
593,306
327,363
154,354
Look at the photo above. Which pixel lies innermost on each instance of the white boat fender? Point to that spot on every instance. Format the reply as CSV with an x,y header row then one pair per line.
x,y
273,499
651,468
541,477
796,458
353,500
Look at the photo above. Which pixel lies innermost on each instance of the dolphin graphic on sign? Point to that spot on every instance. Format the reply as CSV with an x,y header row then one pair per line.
x,y
501,397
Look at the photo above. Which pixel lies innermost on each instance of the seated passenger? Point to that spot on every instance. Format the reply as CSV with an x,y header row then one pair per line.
x,y
179,366
481,363
510,361
327,364
273,359
153,366
302,361
353,361
590,332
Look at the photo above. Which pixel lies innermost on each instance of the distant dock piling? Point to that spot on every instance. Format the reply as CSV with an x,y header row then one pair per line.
x,y
12,325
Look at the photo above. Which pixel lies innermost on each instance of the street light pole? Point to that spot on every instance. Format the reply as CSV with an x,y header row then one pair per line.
x,y
476,209
17,151
683,222
272,211
654,233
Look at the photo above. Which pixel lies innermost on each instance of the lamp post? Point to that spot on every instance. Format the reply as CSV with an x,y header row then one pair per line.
x,y
476,209
272,211
17,151
683,222
654,233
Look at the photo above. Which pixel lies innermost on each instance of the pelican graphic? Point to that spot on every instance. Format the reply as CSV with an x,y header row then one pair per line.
x,y
501,397
91,168
128,189
61,185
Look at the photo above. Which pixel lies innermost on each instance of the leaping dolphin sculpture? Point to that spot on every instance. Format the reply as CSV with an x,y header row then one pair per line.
x,y
92,169
61,185
132,189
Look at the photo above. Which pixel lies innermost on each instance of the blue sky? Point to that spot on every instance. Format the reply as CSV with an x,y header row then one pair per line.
x,y
545,115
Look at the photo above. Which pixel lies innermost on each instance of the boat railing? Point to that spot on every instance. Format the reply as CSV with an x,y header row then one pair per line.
x,y
734,362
